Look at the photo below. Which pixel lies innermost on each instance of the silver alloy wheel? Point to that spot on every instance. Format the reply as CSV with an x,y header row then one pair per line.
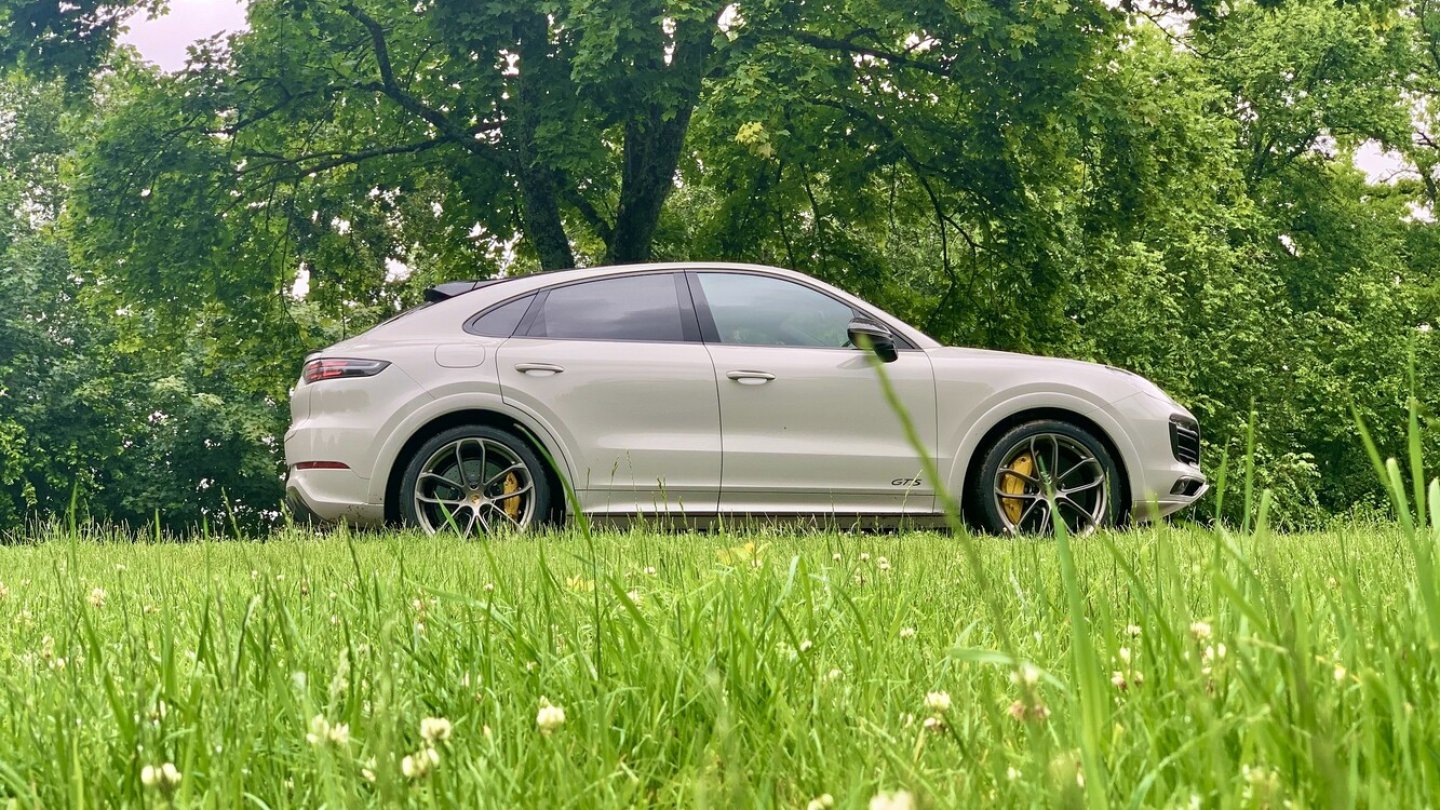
x,y
1027,475
472,483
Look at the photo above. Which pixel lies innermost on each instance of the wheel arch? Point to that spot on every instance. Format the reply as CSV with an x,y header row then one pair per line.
x,y
978,448
471,416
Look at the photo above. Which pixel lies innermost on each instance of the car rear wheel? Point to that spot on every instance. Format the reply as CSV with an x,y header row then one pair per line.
x,y
474,480
1027,463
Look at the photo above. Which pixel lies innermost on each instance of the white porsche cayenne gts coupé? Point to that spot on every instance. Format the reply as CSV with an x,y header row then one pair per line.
x,y
706,389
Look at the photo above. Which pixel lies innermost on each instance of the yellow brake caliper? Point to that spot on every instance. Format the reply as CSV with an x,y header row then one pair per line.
x,y
1024,464
511,505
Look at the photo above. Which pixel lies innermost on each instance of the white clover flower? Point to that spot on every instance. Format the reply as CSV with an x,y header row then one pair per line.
x,y
1132,630
882,563
835,674
319,730
489,587
435,729
837,558
898,800
1201,630
822,802
934,723
1124,655
549,718
322,732
907,632
164,776
635,597
649,570
419,764
806,645
1012,773
97,597
1026,675
864,556
1339,673
937,702
1117,679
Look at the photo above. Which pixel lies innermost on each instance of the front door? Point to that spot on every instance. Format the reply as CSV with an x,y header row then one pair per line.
x,y
616,369
805,424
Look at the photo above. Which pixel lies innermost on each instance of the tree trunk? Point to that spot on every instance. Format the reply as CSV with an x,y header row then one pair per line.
x,y
654,138
539,186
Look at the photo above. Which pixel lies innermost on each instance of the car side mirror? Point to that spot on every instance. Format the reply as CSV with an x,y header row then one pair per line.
x,y
876,338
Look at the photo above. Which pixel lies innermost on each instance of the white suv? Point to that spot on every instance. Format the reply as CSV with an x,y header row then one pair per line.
x,y
706,389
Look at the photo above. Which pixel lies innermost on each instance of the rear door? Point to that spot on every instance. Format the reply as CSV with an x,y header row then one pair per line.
x,y
616,369
805,424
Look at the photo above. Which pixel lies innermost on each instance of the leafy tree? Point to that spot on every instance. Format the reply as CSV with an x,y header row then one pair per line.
x,y
1167,187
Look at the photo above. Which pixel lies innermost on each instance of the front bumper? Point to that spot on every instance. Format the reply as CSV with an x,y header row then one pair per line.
x,y
1164,474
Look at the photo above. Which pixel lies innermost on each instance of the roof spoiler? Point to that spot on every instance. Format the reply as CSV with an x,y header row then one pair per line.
x,y
450,289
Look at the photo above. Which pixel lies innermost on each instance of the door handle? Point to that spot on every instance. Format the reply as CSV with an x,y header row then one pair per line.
x,y
750,377
539,369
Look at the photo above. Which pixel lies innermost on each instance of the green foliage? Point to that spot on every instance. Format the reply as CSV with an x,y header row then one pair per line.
x,y
1172,195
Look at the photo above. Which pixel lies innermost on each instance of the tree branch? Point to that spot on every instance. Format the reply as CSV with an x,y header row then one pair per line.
x,y
391,88
334,159
848,46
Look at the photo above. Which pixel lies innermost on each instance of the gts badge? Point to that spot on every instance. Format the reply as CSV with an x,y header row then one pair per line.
x,y
905,482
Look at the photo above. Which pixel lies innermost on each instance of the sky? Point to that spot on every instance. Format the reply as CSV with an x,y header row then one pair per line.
x,y
163,40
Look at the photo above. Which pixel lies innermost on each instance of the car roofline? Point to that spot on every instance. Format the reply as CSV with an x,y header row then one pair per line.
x,y
550,277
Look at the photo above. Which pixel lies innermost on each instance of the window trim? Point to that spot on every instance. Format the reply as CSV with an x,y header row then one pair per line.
x,y
689,320
470,323
711,333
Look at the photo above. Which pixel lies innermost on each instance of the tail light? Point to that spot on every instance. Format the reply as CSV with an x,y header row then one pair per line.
x,y
335,368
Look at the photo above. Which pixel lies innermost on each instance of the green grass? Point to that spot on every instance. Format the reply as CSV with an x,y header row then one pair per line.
x,y
1261,670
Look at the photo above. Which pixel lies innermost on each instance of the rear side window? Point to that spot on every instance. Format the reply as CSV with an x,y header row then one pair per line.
x,y
627,308
500,321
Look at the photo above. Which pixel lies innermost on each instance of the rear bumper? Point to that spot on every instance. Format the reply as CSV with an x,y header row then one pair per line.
x,y
331,496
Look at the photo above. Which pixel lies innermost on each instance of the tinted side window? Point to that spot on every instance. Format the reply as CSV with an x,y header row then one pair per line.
x,y
762,311
628,308
502,320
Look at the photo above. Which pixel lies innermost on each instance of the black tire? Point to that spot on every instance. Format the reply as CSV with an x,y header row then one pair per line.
x,y
1044,440
479,447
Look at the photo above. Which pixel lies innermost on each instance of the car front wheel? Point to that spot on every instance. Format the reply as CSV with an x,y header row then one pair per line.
x,y
1024,466
474,480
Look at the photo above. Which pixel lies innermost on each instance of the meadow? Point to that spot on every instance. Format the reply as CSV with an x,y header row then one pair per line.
x,y
1158,667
